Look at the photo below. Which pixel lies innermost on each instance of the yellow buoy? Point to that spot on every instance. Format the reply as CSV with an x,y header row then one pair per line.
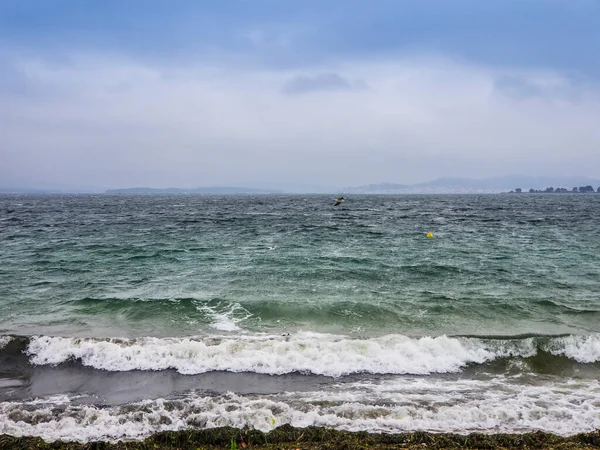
x,y
430,234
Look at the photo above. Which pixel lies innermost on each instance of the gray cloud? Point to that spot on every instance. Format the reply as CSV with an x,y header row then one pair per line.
x,y
302,84
520,87
119,123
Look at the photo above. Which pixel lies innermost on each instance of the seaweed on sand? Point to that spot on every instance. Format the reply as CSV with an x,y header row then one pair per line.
x,y
287,437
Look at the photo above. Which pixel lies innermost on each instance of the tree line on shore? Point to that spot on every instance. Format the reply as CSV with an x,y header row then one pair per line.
x,y
560,190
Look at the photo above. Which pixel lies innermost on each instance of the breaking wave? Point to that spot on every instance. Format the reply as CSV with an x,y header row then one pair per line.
x,y
304,352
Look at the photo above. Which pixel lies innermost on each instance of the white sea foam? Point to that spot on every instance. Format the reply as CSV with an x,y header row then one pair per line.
x,y
406,404
584,349
225,318
4,340
320,354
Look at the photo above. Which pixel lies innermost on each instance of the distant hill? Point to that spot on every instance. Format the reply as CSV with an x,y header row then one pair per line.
x,y
381,188
450,185
227,190
445,185
27,191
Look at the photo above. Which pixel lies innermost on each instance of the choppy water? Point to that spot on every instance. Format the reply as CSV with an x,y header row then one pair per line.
x,y
122,316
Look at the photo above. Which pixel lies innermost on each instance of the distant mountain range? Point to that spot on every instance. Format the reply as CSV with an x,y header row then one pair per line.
x,y
227,190
25,191
447,185
450,185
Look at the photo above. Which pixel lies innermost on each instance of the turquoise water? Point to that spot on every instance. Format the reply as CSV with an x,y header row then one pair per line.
x,y
131,266
276,286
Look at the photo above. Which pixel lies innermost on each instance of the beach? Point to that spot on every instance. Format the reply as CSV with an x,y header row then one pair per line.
x,y
287,437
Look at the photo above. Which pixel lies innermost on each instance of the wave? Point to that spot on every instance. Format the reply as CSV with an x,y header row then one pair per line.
x,y
208,311
460,406
217,313
304,352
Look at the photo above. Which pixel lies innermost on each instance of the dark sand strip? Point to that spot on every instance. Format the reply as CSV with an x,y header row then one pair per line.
x,y
287,437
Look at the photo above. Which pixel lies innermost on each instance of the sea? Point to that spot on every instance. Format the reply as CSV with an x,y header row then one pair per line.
x,y
122,316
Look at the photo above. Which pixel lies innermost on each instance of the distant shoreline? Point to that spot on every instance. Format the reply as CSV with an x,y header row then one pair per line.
x,y
550,190
279,194
445,185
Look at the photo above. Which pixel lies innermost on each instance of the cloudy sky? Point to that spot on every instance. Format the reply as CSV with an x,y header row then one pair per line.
x,y
272,93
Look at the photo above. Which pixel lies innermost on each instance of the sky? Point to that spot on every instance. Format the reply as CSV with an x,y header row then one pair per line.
x,y
292,94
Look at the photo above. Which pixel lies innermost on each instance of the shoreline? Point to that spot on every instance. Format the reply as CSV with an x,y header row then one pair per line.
x,y
288,437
